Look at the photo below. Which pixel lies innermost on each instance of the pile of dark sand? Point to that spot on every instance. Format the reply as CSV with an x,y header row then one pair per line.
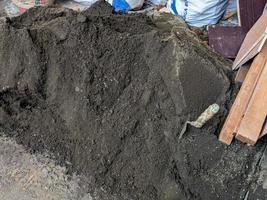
x,y
108,94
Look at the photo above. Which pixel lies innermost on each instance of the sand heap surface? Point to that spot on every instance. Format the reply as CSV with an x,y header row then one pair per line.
x,y
108,94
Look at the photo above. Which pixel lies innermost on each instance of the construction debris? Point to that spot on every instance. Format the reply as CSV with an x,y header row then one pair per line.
x,y
256,112
226,40
243,98
253,42
248,113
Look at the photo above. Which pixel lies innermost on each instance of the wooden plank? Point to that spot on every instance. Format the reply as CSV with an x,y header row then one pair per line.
x,y
242,100
226,40
255,49
254,118
264,130
242,73
256,37
249,52
250,11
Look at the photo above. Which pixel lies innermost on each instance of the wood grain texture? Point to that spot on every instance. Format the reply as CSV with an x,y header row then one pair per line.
x,y
242,100
255,115
253,42
264,130
242,73
250,11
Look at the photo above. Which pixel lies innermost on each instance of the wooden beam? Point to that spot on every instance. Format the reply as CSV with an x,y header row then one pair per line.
x,y
242,73
246,52
254,118
242,100
264,130
253,41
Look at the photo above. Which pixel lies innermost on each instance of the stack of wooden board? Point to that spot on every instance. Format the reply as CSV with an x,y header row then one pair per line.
x,y
247,118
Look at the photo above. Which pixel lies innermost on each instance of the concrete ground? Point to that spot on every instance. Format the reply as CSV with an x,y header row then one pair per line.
x,y
24,176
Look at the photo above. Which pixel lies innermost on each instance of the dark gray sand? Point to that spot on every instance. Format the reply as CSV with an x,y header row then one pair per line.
x,y
108,94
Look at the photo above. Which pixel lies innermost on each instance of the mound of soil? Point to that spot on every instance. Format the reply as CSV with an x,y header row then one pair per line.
x,y
108,94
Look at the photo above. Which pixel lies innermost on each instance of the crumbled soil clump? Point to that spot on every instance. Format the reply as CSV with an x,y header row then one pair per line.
x,y
108,94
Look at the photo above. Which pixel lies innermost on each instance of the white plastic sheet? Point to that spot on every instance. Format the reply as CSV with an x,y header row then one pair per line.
x,y
198,13
8,8
86,2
